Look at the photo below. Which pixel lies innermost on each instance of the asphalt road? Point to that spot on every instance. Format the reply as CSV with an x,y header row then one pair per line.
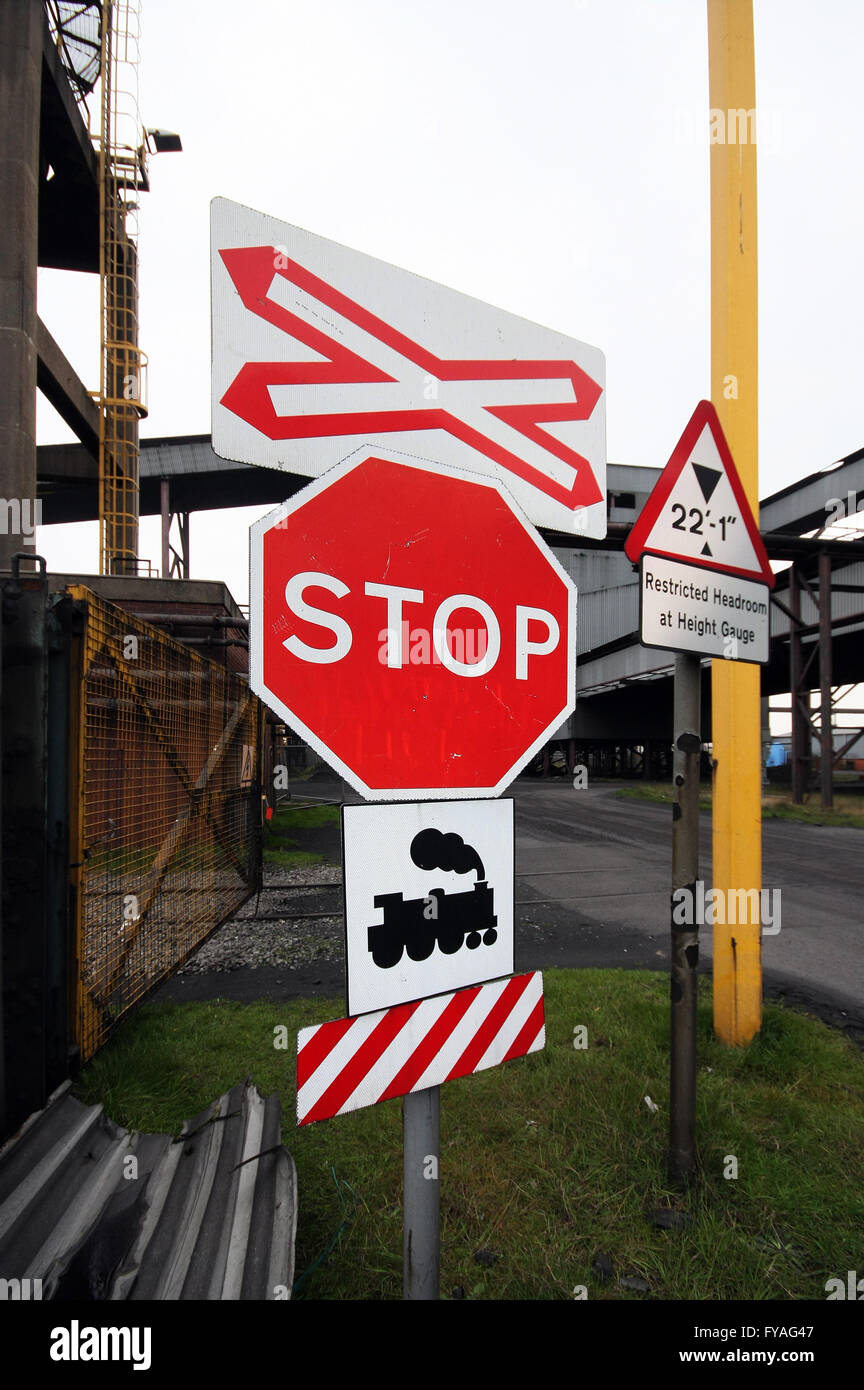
x,y
608,863
592,889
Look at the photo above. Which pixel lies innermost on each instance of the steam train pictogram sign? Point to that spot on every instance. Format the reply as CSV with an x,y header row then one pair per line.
x,y
434,934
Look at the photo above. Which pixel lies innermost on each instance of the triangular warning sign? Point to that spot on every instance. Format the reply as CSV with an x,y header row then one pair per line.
x,y
247,767
698,511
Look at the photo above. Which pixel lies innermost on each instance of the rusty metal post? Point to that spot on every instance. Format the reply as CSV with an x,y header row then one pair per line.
x,y
25,881
421,1124
799,732
183,527
165,509
685,934
20,88
825,677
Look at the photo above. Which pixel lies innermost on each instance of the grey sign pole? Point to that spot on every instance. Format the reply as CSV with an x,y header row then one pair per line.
x,y
685,935
421,1123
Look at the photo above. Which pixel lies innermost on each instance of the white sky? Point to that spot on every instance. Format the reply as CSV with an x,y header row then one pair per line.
x,y
550,158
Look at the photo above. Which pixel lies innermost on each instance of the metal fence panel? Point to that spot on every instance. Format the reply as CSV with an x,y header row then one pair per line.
x,y
168,815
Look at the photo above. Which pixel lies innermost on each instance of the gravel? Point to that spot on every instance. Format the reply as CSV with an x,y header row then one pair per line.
x,y
245,943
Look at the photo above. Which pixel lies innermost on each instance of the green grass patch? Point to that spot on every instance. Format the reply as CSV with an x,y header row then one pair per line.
x,y
847,810
549,1159
284,834
661,793
291,858
296,816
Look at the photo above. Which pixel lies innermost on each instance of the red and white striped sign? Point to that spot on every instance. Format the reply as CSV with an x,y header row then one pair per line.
x,y
319,350
353,1062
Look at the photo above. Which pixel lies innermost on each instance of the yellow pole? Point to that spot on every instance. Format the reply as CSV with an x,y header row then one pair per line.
x,y
737,819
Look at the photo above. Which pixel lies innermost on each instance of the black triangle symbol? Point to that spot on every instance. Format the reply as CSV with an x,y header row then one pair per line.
x,y
706,549
708,479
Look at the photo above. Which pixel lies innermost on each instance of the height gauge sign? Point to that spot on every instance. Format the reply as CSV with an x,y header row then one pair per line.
x,y
705,575
698,511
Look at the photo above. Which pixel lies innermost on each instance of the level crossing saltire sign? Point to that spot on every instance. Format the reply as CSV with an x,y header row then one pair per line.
x,y
350,1063
319,349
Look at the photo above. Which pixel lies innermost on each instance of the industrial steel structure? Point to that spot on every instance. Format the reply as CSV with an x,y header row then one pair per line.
x,y
74,162
622,722
122,146
131,770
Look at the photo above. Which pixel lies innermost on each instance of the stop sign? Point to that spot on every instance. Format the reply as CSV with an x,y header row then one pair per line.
x,y
413,628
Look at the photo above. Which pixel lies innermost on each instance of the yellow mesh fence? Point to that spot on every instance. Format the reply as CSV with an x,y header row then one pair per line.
x,y
167,817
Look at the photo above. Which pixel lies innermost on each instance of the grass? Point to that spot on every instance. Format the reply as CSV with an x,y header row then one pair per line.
x,y
846,811
292,818
282,848
775,806
554,1158
291,858
661,793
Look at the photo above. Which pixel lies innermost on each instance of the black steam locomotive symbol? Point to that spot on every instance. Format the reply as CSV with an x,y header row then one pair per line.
x,y
449,919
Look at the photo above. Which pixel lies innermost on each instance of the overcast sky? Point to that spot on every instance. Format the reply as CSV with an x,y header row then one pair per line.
x,y
551,159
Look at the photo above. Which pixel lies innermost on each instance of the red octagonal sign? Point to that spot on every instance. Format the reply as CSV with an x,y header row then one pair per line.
x,y
412,627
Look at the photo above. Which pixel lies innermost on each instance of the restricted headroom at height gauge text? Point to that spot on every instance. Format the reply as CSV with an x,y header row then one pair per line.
x,y
682,588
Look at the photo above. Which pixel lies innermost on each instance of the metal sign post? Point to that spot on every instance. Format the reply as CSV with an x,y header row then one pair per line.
x,y
421,1122
410,1050
355,644
704,591
685,936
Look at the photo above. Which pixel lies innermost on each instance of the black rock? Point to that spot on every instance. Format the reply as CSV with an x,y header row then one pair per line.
x,y
603,1267
634,1282
668,1219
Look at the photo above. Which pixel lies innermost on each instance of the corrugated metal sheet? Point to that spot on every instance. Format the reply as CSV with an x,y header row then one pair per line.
x,y
804,506
607,606
99,1212
628,664
182,455
607,616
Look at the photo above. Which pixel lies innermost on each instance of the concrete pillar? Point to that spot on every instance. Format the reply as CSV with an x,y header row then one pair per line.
x,y
826,761
20,93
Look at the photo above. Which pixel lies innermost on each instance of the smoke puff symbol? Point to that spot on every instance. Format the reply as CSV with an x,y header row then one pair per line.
x,y
431,849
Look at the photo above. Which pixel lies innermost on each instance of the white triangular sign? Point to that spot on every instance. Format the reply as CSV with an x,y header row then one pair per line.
x,y
698,511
